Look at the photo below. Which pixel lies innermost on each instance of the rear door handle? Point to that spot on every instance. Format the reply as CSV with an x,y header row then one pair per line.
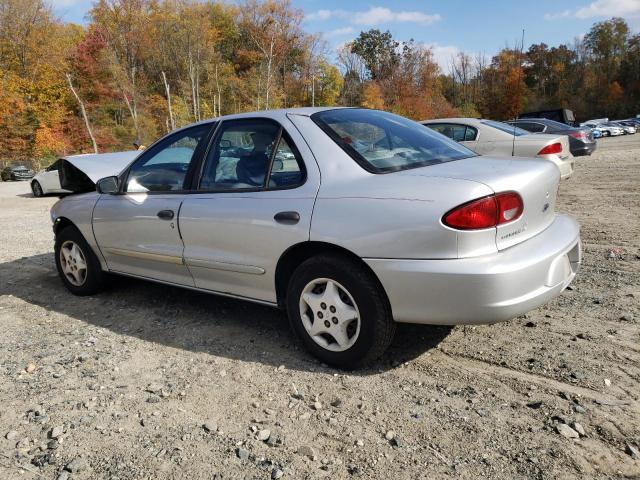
x,y
166,214
287,218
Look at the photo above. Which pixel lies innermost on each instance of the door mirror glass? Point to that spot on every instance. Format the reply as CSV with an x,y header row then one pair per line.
x,y
107,185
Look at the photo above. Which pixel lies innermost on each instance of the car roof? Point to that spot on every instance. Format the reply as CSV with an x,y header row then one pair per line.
x,y
276,114
467,120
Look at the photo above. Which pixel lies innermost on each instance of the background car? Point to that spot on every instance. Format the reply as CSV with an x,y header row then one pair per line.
x,y
488,137
628,127
47,181
581,140
375,220
633,121
596,132
561,115
16,172
607,130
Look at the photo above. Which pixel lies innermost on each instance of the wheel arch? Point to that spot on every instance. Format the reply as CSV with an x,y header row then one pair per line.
x,y
300,252
62,222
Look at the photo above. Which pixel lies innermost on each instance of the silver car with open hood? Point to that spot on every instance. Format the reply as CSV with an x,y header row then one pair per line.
x,y
349,219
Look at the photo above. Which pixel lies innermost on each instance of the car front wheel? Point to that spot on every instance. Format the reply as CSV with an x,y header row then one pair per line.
x,y
77,265
36,189
339,311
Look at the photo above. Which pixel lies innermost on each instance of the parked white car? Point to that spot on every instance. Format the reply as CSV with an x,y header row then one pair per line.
x,y
626,129
47,181
98,165
349,219
607,130
488,137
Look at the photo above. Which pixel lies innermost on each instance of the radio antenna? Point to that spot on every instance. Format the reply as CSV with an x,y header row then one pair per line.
x,y
513,142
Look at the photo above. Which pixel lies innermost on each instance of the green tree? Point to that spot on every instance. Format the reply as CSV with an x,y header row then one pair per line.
x,y
378,50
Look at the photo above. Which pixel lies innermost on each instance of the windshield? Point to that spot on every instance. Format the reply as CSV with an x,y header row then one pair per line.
x,y
383,142
505,127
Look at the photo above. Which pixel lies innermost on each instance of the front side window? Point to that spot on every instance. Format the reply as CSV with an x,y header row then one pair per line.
x,y
164,167
251,154
383,142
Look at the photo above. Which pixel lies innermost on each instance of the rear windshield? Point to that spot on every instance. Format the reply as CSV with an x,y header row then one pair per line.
x,y
553,123
505,127
382,142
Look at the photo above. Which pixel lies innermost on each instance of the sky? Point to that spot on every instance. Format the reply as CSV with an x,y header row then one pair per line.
x,y
475,27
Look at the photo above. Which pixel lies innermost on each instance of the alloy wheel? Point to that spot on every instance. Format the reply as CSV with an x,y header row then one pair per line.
x,y
73,263
329,314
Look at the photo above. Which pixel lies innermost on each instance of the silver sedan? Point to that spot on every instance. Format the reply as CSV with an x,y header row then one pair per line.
x,y
349,219
498,139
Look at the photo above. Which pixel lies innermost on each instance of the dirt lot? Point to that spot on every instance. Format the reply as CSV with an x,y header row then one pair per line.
x,y
148,381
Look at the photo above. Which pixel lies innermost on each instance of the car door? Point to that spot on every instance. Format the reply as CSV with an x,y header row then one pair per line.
x,y
137,229
255,199
50,179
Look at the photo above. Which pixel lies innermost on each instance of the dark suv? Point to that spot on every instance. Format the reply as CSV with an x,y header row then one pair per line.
x,y
581,141
16,172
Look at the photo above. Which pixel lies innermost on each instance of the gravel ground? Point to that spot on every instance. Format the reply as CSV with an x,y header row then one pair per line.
x,y
148,381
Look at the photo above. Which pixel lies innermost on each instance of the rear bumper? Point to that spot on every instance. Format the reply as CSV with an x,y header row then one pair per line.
x,y
564,164
566,167
485,289
584,149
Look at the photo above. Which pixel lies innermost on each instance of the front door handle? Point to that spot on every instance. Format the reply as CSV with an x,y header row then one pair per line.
x,y
287,218
166,214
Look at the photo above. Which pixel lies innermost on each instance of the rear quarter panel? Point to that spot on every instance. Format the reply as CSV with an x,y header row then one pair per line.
x,y
396,216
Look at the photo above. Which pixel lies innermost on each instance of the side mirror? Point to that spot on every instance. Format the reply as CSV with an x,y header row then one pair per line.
x,y
107,185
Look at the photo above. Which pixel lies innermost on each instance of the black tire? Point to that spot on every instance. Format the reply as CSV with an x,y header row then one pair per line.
x,y
606,134
377,326
36,189
94,278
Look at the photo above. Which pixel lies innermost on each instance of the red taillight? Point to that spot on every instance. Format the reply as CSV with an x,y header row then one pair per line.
x,y
579,135
550,149
485,212
510,207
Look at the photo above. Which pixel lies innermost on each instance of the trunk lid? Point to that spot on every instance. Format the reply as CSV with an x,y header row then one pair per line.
x,y
535,180
530,145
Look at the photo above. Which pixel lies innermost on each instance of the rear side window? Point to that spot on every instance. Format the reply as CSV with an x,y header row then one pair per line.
x,y
382,142
455,131
470,134
251,155
531,126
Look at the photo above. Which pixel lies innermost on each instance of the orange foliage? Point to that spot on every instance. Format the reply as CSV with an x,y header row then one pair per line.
x,y
372,96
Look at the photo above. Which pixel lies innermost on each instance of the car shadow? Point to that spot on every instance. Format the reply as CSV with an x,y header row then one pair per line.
x,y
193,321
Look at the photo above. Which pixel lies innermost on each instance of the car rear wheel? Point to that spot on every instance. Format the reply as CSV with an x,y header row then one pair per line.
x,y
36,189
77,265
339,311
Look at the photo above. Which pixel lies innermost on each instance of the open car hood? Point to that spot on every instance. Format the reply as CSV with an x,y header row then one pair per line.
x,y
79,173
